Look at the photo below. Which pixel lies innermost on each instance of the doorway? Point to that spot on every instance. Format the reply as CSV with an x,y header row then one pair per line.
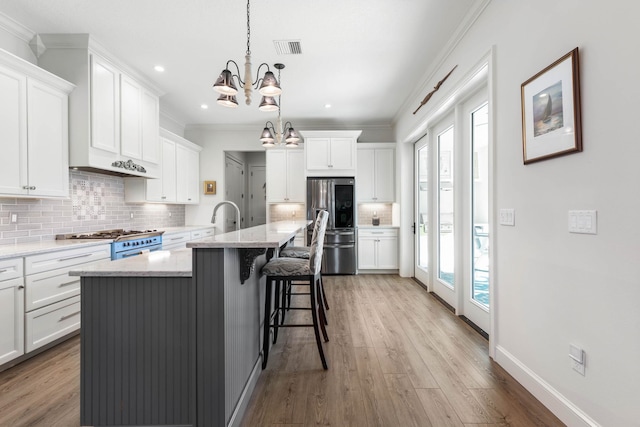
x,y
257,195
234,192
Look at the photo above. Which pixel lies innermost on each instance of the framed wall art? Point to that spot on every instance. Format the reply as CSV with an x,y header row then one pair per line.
x,y
209,187
551,124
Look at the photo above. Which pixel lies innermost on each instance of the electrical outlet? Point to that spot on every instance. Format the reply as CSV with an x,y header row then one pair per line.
x,y
577,359
13,218
131,215
170,214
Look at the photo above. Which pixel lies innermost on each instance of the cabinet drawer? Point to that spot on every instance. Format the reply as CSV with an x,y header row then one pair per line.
x,y
201,234
47,324
175,241
49,287
11,269
382,232
60,259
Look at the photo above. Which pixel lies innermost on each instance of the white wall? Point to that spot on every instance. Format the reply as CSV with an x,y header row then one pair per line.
x,y
553,288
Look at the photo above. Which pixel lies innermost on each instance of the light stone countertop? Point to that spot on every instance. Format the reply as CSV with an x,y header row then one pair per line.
x,y
175,263
374,227
272,235
35,248
26,249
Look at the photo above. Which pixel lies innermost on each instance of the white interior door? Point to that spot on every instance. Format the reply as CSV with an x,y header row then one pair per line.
x,y
257,195
234,192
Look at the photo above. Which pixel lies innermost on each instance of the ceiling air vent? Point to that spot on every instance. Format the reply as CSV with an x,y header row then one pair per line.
x,y
288,47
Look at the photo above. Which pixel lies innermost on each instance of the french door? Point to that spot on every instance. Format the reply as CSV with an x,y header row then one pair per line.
x,y
452,209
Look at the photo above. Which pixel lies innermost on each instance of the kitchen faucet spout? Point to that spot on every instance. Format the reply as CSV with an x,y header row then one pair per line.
x,y
230,203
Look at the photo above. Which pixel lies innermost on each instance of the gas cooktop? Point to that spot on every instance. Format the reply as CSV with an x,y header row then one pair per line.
x,y
116,234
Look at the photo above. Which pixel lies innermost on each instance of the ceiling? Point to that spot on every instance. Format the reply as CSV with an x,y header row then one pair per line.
x,y
363,57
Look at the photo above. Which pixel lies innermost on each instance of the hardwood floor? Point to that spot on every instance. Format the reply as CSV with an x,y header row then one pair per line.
x,y
396,357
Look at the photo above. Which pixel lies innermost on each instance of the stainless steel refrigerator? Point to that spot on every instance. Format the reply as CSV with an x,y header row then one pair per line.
x,y
337,196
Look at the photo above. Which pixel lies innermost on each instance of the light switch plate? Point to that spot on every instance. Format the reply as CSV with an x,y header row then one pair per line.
x,y
507,217
583,222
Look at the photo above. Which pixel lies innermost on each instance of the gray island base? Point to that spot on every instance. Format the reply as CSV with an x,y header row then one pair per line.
x,y
173,338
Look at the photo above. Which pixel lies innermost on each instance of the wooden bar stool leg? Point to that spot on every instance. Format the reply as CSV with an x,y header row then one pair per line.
x,y
324,297
276,310
267,323
314,315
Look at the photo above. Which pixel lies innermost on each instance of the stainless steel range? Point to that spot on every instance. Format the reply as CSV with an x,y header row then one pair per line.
x,y
126,243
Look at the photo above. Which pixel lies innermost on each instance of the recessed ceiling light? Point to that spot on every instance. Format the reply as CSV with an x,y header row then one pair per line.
x,y
204,106
159,68
327,105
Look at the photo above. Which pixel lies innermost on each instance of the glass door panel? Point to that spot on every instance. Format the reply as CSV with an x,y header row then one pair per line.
x,y
446,242
480,206
423,207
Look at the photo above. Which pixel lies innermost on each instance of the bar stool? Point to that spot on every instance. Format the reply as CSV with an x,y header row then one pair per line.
x,y
283,270
301,252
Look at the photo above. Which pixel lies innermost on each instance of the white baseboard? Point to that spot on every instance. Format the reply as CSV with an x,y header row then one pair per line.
x,y
568,413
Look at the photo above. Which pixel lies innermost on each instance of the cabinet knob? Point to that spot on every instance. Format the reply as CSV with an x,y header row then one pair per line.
x,y
32,187
21,287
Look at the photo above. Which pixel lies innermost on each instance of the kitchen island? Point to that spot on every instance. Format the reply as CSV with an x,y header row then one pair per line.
x,y
173,338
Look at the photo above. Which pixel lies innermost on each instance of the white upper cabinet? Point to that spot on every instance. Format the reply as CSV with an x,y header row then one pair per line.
x,y
33,129
188,175
139,121
48,147
375,180
330,153
105,105
179,180
285,176
115,109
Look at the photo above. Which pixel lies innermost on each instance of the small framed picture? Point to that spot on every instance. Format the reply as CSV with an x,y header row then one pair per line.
x,y
209,187
551,124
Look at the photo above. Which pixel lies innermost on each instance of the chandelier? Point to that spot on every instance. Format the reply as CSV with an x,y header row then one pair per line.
x,y
225,84
273,134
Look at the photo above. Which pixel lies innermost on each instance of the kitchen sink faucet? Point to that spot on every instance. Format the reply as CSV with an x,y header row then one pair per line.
x,y
227,202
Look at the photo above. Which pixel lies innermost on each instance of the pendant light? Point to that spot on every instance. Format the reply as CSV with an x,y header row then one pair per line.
x,y
273,135
268,86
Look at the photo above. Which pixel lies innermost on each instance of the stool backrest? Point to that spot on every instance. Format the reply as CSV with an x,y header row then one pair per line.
x,y
317,242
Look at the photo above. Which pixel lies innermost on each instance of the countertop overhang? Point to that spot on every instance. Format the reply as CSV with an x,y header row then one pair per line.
x,y
272,235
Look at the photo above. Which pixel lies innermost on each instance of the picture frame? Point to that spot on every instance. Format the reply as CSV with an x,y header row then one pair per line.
x,y
209,187
551,116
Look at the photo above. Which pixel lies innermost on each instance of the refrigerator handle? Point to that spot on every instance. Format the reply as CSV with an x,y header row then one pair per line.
x,y
332,204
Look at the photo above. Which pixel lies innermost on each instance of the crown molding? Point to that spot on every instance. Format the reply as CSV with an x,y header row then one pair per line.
x,y
430,75
15,28
89,42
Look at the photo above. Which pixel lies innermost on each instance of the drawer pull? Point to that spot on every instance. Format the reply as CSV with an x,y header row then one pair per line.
x,y
177,238
3,271
377,232
21,287
62,285
68,316
73,257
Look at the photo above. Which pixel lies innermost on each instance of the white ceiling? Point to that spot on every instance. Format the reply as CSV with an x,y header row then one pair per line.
x,y
364,57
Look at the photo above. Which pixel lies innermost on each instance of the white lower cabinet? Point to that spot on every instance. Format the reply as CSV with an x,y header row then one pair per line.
x,y
378,249
175,240
52,297
11,319
49,323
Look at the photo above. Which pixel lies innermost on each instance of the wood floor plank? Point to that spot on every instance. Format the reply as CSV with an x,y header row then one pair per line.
x,y
438,409
406,402
377,400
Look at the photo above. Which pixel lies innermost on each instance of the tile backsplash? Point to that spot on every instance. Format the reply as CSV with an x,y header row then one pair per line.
x,y
287,211
383,210
96,202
